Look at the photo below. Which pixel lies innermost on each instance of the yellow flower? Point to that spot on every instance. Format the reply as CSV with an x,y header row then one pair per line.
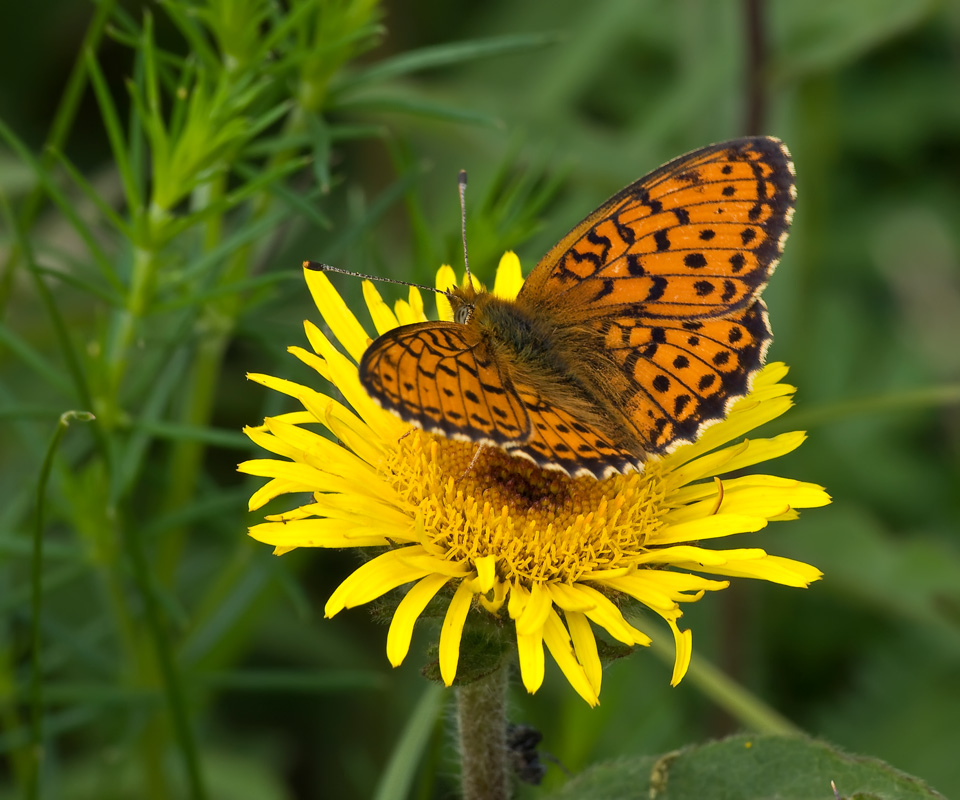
x,y
558,555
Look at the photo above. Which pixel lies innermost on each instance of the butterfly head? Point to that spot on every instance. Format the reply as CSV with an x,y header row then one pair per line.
x,y
463,301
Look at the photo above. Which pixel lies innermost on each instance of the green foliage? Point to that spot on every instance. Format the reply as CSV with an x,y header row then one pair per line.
x,y
153,215
789,768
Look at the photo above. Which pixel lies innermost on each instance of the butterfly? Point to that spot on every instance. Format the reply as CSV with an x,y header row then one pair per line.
x,y
637,330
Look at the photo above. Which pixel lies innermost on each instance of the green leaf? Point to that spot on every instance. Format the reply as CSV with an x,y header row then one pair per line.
x,y
782,767
447,54
824,35
397,779
415,106
118,145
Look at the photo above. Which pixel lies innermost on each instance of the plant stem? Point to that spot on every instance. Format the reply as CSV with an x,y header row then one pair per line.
x,y
36,668
482,722
745,707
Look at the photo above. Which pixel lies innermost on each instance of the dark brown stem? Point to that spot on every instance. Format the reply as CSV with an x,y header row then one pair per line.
x,y
756,46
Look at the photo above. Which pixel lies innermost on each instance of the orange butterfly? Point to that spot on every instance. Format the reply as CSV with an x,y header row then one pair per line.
x,y
638,329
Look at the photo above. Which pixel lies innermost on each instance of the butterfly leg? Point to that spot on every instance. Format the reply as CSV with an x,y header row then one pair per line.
x,y
473,461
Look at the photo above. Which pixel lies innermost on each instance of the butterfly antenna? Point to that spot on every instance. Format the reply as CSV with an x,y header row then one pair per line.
x,y
316,266
462,186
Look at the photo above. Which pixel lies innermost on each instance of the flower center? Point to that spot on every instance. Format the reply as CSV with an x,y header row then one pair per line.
x,y
541,525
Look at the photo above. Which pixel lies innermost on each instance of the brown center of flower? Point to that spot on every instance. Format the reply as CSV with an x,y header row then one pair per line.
x,y
541,525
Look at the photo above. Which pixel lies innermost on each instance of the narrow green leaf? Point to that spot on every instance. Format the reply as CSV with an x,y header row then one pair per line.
x,y
295,203
397,779
84,285
417,107
36,605
118,146
199,43
66,207
35,361
232,440
385,200
92,194
447,54
262,182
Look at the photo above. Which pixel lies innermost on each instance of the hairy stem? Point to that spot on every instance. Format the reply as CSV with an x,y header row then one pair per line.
x,y
482,720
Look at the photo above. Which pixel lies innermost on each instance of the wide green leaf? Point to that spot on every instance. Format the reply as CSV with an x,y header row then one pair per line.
x,y
782,767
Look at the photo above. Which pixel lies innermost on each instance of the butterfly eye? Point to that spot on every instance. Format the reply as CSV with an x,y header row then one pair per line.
x,y
462,314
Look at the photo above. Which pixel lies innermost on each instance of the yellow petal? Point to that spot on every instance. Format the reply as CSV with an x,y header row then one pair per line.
x,y
373,579
745,416
416,305
606,614
273,489
509,278
386,426
486,572
383,318
446,280
408,612
585,647
683,640
452,631
707,528
518,601
320,533
312,360
536,611
738,456
336,313
775,569
557,640
530,655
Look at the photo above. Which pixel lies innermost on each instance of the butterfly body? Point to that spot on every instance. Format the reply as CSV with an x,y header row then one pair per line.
x,y
536,345
639,328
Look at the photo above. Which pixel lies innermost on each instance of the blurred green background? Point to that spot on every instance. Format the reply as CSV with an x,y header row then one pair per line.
x,y
180,658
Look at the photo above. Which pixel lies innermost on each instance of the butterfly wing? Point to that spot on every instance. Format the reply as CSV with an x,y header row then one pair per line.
x,y
667,275
696,238
440,377
559,440
678,375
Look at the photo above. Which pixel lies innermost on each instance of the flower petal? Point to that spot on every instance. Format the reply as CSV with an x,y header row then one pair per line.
x,y
374,579
707,528
509,277
446,280
745,454
312,360
452,631
321,533
535,613
336,313
386,426
557,640
530,655
683,641
383,318
585,647
408,612
486,567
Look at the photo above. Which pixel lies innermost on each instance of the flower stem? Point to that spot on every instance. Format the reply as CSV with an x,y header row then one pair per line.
x,y
745,707
482,720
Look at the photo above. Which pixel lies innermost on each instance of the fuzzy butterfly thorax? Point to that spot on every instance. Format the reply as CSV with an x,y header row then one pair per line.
x,y
639,328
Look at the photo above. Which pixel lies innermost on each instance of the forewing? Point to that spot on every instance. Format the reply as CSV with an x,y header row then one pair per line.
x,y
676,376
440,377
696,238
